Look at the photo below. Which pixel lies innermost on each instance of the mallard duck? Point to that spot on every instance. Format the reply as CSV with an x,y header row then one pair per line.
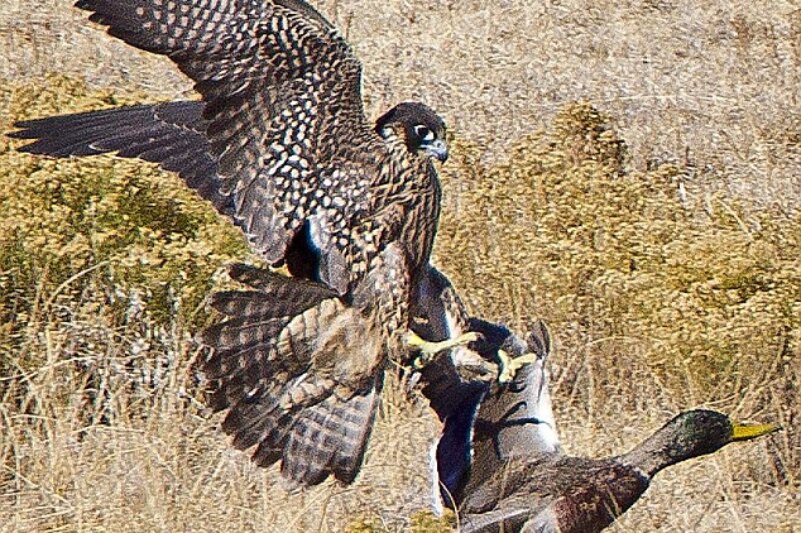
x,y
550,492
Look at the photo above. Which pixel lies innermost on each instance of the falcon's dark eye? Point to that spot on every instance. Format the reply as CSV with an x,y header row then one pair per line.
x,y
423,133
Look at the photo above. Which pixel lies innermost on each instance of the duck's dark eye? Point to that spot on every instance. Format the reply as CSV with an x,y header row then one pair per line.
x,y
423,133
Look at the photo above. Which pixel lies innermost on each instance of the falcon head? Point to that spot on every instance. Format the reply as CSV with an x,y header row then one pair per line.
x,y
418,126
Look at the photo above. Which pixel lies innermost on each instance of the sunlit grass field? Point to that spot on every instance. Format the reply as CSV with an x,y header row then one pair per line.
x,y
629,172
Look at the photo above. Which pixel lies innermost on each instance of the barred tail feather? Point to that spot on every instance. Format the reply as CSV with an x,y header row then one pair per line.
x,y
258,355
300,292
254,415
272,330
330,437
268,417
276,365
244,353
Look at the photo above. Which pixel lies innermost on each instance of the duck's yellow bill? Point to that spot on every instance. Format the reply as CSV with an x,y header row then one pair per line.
x,y
751,432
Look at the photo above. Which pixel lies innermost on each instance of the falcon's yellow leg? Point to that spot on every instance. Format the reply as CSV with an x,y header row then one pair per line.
x,y
510,365
428,349
283,270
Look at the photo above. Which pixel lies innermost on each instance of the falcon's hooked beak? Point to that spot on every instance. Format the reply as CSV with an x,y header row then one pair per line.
x,y
437,148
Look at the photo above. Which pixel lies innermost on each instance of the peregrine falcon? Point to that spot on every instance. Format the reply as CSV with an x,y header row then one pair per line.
x,y
281,145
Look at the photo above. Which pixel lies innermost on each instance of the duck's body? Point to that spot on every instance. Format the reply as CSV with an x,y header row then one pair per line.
x,y
549,492
552,492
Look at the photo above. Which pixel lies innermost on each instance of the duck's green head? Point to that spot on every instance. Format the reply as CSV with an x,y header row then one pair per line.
x,y
701,431
688,435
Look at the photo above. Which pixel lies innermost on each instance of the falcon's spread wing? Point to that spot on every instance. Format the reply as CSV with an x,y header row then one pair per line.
x,y
285,117
172,134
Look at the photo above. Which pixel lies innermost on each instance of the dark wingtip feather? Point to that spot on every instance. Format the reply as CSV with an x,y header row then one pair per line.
x,y
302,292
259,278
24,130
267,455
225,302
50,138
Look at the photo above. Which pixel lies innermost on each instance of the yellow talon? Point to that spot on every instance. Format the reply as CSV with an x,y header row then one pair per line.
x,y
510,365
429,349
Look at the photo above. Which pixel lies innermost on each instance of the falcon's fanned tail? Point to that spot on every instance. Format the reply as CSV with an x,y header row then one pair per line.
x,y
331,437
274,367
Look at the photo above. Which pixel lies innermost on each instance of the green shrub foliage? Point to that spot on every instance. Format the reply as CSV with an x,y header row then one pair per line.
x,y
99,250
69,222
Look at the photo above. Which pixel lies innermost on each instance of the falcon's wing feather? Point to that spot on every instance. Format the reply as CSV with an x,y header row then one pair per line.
x,y
97,132
172,134
284,110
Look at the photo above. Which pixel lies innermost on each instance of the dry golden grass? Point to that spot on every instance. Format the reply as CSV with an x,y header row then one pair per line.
x,y
668,266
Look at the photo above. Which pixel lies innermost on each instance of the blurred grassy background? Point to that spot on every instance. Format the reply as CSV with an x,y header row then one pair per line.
x,y
627,171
